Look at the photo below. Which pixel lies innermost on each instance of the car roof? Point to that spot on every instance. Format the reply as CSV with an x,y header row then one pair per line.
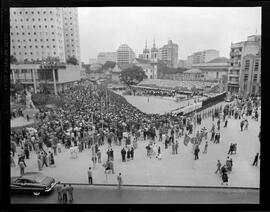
x,y
36,176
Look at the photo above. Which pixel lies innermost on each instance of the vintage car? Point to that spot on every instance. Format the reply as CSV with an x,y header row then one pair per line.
x,y
33,182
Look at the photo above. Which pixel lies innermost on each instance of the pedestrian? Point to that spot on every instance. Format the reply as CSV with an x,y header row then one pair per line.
x,y
123,153
132,153
226,122
218,167
241,125
176,147
205,148
90,176
12,163
64,192
119,180
52,163
255,162
59,192
22,166
99,156
39,163
246,125
230,149
70,193
225,178
196,152
128,154
173,148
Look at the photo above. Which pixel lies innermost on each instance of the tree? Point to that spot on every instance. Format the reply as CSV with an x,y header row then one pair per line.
x,y
13,59
108,64
132,75
72,60
51,60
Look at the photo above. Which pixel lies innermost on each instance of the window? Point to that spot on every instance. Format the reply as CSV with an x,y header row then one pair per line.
x,y
41,40
38,12
45,26
256,68
33,19
255,78
39,19
53,46
11,33
47,39
30,47
36,46
27,19
253,89
51,26
35,40
34,26
48,47
20,13
32,12
23,33
52,33
42,47
19,47
54,52
14,13
26,12
30,40
51,19
35,33
31,53
44,12
13,47
24,47
45,19
29,33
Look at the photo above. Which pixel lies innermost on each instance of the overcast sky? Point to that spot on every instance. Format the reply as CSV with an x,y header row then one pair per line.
x,y
193,29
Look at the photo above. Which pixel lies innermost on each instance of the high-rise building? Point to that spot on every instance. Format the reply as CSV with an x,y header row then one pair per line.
x,y
202,56
36,33
169,54
71,32
125,55
244,71
103,57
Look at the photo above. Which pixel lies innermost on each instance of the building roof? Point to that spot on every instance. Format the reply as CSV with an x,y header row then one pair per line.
x,y
193,71
219,60
146,51
140,60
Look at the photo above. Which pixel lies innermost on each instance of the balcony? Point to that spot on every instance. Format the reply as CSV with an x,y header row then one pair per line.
x,y
235,82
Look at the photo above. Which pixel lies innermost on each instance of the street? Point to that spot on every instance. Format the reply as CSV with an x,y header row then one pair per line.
x,y
85,194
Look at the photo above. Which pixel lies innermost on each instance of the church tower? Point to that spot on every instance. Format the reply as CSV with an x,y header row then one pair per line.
x,y
146,52
154,52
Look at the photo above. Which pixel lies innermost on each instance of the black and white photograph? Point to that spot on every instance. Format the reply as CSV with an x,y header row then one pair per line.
x,y
135,105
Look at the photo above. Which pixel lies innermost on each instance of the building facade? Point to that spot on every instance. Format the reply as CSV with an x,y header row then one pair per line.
x,y
169,54
238,77
55,78
103,57
202,56
124,55
37,33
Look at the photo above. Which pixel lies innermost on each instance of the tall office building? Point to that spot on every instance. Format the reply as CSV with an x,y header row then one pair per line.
x,y
71,32
245,67
125,55
103,57
169,54
36,33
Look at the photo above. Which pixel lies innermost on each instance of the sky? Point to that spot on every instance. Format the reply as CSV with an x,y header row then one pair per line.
x,y
103,29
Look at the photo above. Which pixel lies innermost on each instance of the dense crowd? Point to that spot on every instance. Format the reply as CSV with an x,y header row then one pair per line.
x,y
91,116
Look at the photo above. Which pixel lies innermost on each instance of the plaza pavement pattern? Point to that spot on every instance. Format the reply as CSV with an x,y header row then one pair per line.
x,y
179,170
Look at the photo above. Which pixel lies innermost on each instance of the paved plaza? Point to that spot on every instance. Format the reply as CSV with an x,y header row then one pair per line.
x,y
180,169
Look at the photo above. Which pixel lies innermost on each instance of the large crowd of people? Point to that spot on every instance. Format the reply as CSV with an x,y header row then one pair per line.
x,y
91,117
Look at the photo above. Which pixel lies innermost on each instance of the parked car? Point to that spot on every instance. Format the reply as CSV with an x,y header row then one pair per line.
x,y
34,182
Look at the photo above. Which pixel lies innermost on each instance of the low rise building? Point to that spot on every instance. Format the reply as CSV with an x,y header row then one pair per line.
x,y
56,78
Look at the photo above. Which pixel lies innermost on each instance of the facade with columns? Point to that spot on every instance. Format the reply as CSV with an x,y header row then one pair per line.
x,y
56,78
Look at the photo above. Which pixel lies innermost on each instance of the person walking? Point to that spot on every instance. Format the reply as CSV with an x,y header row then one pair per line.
x,y
196,152
64,191
59,192
123,154
90,176
99,156
205,148
242,125
70,193
119,180
218,167
176,147
255,162
22,166
226,122
132,153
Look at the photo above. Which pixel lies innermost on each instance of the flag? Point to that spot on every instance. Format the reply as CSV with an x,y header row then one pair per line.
x,y
186,140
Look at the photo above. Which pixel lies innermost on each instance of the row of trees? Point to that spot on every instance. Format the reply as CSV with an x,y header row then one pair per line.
x,y
70,60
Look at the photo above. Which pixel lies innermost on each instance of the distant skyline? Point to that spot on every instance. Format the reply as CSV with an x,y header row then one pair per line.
x,y
103,29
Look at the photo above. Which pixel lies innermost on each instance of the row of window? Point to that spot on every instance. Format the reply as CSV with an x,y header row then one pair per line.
x,y
32,12
31,46
39,19
34,40
29,33
34,26
31,53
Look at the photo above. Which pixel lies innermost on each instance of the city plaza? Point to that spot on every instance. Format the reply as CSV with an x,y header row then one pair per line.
x,y
178,170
